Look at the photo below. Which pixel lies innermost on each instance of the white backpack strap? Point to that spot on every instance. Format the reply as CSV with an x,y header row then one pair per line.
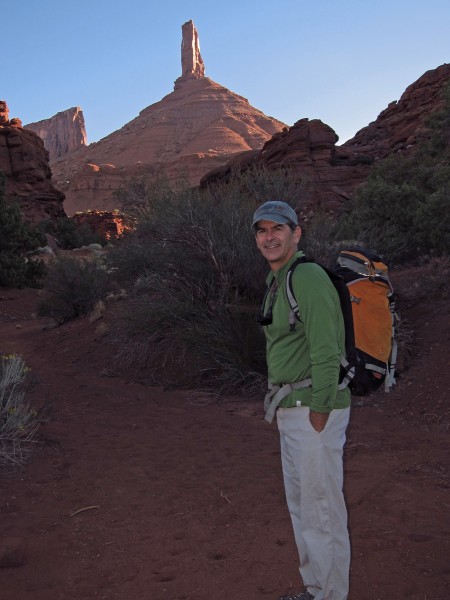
x,y
277,393
349,373
390,375
290,295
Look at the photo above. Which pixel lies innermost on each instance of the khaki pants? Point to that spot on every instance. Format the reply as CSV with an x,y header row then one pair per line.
x,y
313,480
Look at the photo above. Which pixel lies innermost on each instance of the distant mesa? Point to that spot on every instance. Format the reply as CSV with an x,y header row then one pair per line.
x,y
194,129
63,133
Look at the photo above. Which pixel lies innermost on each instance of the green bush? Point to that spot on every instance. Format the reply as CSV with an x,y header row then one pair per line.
x,y
72,288
19,242
403,210
18,422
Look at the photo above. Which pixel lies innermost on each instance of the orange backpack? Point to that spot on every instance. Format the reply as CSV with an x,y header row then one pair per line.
x,y
373,310
367,303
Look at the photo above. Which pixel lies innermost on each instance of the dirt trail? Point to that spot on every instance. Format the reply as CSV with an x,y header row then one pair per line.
x,y
142,494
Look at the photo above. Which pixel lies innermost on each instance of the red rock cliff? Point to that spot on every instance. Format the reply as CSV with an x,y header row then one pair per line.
x,y
397,126
63,133
24,161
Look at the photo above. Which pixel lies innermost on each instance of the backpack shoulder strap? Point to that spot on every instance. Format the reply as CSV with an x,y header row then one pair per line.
x,y
294,313
346,309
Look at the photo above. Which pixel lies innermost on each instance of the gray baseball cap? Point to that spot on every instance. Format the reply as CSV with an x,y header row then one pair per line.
x,y
276,211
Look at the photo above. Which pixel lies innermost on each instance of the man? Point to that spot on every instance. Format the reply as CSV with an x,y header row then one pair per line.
x,y
303,359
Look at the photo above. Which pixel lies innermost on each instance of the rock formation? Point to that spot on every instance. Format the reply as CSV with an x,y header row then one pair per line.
x,y
63,133
308,149
108,224
192,66
192,130
397,127
333,172
24,162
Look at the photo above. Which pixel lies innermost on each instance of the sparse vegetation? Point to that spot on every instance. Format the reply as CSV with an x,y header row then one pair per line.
x,y
72,288
199,283
18,422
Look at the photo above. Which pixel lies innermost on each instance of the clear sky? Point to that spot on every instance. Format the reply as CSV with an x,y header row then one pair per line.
x,y
341,61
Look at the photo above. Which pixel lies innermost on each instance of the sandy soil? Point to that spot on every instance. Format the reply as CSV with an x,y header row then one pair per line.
x,y
144,494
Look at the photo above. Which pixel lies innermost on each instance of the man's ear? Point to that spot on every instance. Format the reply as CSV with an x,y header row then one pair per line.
x,y
298,233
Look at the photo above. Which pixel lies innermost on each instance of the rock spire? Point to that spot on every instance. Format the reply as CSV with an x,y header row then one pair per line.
x,y
192,66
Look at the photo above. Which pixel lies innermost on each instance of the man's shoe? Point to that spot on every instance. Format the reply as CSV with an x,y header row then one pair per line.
x,y
302,596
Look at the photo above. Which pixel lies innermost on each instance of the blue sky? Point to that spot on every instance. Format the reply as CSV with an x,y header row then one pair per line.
x,y
341,61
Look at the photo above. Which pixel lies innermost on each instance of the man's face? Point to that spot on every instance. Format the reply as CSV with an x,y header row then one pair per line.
x,y
276,242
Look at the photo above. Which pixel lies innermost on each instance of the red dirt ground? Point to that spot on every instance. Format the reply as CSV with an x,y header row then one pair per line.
x,y
183,497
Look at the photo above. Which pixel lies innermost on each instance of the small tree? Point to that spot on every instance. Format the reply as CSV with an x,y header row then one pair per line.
x,y
18,242
69,235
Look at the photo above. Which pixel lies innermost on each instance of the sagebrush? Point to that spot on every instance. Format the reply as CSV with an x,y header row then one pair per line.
x,y
18,421
73,287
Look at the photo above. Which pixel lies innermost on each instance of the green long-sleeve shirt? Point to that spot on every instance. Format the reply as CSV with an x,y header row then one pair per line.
x,y
313,350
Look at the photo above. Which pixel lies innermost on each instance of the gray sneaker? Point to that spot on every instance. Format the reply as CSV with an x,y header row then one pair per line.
x,y
302,596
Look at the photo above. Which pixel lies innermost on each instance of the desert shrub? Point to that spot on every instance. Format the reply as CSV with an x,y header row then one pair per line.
x,y
19,242
200,282
18,422
136,198
72,288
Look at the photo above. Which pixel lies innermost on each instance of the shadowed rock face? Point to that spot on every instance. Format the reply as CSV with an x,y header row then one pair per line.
x,y
24,161
63,133
192,130
333,172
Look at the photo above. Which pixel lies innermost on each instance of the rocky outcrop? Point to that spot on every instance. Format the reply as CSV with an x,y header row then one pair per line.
x,y
332,173
107,224
192,130
63,133
308,150
397,128
24,161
